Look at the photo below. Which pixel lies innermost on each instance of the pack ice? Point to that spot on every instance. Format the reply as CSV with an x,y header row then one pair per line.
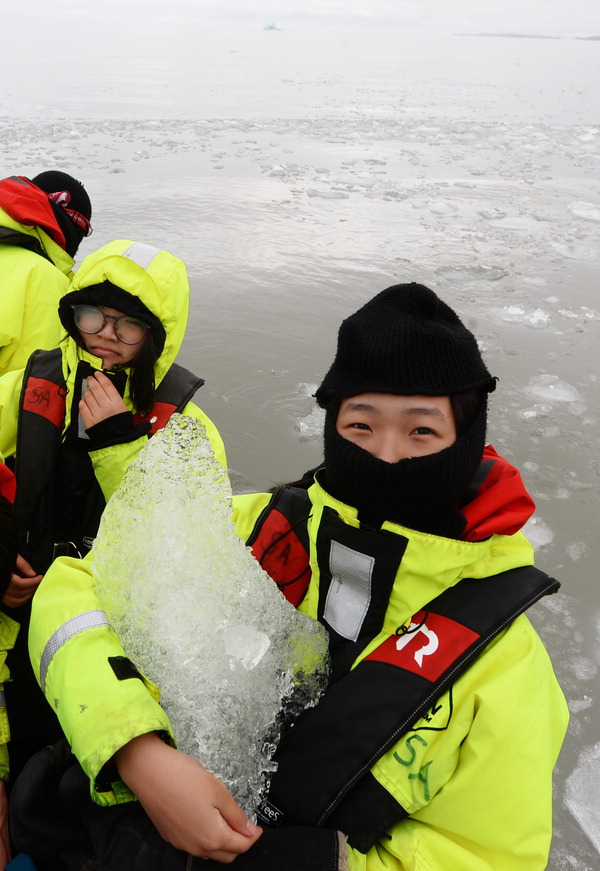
x,y
197,614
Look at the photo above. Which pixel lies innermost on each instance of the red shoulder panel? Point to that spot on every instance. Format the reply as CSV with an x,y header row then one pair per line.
x,y
8,485
281,554
158,416
46,399
430,646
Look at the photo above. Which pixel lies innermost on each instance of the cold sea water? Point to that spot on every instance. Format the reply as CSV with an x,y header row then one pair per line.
x,y
298,172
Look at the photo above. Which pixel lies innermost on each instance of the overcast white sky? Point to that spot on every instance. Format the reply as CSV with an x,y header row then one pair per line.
x,y
545,17
556,16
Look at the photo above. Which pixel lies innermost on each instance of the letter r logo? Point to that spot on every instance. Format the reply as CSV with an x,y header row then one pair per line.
x,y
430,647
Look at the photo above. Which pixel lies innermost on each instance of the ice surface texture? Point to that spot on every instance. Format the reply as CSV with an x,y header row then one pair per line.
x,y
582,794
198,615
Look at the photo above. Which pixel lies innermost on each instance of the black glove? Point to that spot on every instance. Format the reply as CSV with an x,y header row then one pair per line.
x,y
116,430
295,848
40,824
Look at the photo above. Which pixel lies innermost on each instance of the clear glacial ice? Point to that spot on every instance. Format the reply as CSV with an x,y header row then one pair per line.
x,y
198,615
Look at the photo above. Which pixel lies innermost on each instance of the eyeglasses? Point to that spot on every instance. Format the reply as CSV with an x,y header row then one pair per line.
x,y
90,320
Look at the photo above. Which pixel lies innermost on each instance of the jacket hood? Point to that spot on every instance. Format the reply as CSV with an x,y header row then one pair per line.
x,y
499,503
154,277
35,239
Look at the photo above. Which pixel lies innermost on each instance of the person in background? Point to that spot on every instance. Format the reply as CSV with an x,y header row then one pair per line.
x,y
8,634
434,744
42,222
75,419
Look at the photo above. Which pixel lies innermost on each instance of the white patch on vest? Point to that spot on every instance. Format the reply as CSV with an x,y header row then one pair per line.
x,y
141,254
349,593
80,424
81,433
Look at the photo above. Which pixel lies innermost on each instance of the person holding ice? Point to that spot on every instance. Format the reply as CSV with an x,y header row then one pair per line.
x,y
433,746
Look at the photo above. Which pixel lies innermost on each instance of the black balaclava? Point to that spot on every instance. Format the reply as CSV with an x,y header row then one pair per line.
x,y
407,342
55,182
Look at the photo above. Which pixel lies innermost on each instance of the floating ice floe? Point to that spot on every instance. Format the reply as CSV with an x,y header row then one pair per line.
x,y
461,272
514,223
553,389
574,252
311,426
576,706
328,195
583,314
538,533
576,549
587,211
540,409
442,207
537,318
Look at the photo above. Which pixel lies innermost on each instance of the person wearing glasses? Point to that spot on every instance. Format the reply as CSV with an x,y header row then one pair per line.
x,y
42,222
8,553
75,419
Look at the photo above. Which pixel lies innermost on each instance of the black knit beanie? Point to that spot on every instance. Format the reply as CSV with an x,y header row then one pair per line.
x,y
408,342
67,212
405,341
110,295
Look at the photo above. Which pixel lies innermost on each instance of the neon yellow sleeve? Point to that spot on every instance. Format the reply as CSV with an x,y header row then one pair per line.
x,y
71,646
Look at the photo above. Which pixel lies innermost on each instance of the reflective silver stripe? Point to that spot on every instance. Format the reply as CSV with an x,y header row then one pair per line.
x,y
349,593
141,254
79,623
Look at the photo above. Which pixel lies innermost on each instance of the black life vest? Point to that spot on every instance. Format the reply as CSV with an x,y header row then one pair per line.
x,y
323,776
42,410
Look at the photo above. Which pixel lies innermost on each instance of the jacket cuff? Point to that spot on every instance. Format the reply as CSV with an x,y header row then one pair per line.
x,y
115,430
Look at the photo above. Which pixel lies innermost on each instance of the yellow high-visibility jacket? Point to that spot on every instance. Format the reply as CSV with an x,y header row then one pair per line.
x,y
474,774
31,286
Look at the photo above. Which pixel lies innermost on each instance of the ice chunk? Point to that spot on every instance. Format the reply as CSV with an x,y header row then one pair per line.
x,y
198,615
537,318
328,195
539,410
575,252
515,223
467,273
576,550
311,426
588,211
442,207
582,793
551,387
538,533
